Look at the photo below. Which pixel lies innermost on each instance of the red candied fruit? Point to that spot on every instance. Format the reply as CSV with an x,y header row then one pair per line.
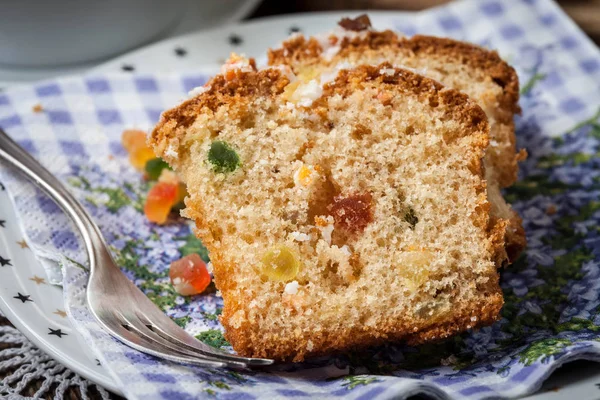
x,y
160,199
189,275
352,213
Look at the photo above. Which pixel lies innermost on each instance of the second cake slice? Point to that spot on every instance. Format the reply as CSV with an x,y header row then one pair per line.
x,y
478,72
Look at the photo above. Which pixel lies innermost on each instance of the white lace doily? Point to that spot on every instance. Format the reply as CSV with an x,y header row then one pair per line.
x,y
24,366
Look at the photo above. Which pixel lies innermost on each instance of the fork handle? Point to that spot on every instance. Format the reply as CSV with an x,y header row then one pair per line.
x,y
18,158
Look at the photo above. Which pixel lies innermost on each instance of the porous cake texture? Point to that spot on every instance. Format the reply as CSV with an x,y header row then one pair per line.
x,y
478,72
339,214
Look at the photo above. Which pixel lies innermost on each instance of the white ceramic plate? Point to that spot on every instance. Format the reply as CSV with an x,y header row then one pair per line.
x,y
202,51
209,49
35,307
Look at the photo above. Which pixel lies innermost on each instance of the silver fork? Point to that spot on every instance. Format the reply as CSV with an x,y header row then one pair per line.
x,y
118,305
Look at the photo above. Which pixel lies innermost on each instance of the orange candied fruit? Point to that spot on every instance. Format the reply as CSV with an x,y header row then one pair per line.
x,y
161,198
140,156
134,141
189,275
303,175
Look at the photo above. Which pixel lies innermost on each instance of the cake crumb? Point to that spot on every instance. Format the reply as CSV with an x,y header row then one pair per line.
x,y
309,345
307,93
237,62
300,237
346,250
387,71
198,90
285,70
171,152
325,225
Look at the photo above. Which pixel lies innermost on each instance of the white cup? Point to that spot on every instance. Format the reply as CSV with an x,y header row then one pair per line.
x,y
58,32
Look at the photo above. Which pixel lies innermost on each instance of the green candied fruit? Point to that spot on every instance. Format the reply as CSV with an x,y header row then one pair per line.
x,y
223,157
154,168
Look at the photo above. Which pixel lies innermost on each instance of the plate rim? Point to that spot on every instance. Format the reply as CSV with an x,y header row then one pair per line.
x,y
60,357
106,67
25,325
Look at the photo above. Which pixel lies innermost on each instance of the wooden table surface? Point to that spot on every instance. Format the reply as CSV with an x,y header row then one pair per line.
x,y
586,14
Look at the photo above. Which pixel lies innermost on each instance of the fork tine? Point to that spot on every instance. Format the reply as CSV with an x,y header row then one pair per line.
x,y
107,285
166,328
141,329
169,330
154,349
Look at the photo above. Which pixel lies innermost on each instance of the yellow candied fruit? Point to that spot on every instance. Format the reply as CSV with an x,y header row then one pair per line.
x,y
413,267
140,156
290,89
303,78
412,247
280,264
303,175
308,74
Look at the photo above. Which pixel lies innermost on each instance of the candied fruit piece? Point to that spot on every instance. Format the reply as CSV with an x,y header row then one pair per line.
x,y
360,23
413,266
181,193
352,213
384,97
139,156
223,157
303,176
280,264
160,199
168,176
133,139
189,275
325,225
290,89
155,167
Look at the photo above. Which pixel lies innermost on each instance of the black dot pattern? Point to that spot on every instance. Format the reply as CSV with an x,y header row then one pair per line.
x,y
235,40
